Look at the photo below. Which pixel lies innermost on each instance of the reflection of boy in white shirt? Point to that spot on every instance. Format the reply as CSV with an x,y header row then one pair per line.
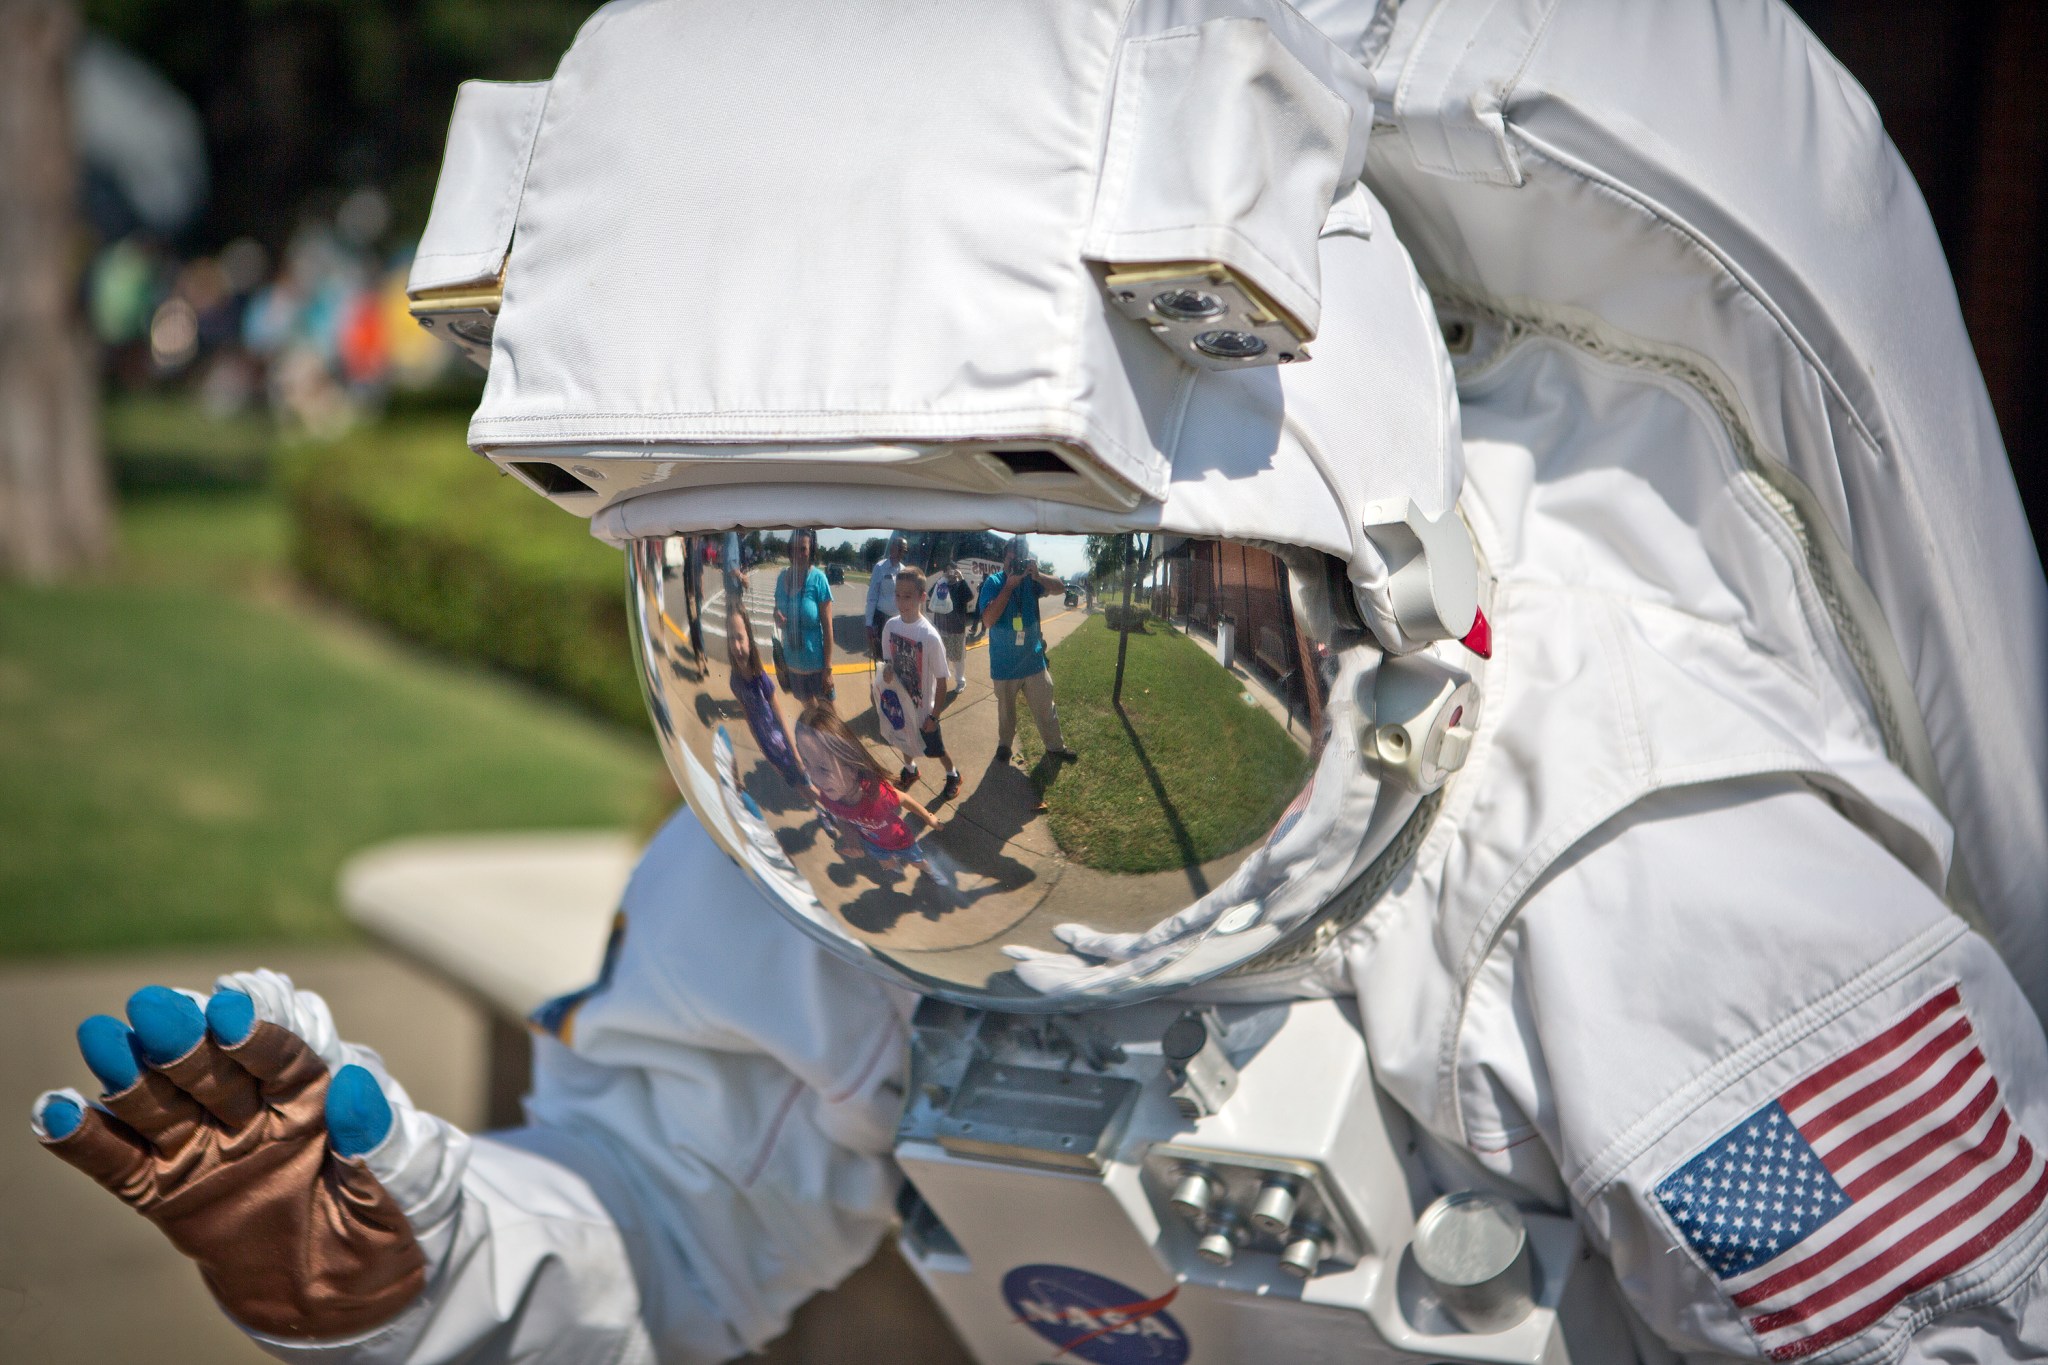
x,y
910,690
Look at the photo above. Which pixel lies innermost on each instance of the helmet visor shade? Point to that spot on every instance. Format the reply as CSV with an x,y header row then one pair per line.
x,y
1027,773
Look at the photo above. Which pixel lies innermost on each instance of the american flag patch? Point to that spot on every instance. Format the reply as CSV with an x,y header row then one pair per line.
x,y
1889,1168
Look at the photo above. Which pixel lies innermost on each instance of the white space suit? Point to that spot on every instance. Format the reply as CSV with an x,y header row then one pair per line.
x,y
1767,652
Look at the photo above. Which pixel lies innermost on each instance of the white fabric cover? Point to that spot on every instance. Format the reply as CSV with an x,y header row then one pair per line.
x,y
1293,455
1189,173
1585,1065
783,223
1706,178
483,170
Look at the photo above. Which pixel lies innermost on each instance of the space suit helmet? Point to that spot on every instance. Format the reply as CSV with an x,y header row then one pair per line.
x,y
1080,300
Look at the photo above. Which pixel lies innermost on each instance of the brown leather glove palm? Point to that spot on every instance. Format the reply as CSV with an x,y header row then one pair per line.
x,y
227,1130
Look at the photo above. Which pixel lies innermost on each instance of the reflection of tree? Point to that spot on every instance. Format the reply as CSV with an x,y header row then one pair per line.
x,y
1131,555
930,550
1105,557
1191,861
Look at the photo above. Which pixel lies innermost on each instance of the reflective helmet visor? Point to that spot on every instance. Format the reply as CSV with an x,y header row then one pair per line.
x,y
1139,724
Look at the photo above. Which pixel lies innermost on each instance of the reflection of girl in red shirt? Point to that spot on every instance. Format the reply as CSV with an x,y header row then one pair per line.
x,y
854,790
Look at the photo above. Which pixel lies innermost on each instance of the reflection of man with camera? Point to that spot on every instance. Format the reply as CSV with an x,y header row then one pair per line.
x,y
1016,648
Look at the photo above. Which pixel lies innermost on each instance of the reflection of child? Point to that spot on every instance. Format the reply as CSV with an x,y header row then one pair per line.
x,y
910,688
853,789
755,692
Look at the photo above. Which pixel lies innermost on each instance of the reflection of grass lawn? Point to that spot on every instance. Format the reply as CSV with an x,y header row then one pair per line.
x,y
1220,770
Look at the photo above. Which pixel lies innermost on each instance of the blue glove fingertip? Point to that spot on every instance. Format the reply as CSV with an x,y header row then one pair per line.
x,y
231,1016
60,1117
358,1115
167,1023
110,1051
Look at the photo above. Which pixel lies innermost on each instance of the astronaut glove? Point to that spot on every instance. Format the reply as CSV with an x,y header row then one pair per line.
x,y
1123,957
281,1159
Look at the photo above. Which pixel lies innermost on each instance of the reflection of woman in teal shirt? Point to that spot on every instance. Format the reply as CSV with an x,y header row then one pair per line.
x,y
803,614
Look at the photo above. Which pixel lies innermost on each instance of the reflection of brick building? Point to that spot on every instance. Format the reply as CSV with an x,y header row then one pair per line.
x,y
1201,582
1954,82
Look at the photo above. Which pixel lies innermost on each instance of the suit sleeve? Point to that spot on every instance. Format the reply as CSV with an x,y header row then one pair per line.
x,y
1795,1101
707,1145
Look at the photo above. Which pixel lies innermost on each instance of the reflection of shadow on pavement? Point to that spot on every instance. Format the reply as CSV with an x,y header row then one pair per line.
x,y
800,839
877,910
849,635
1000,805
1198,883
764,783
869,727
900,893
710,711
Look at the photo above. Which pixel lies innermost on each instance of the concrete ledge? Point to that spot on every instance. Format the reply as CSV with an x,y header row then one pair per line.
x,y
515,919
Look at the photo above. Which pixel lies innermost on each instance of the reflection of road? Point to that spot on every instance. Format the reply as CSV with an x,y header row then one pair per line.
x,y
1011,882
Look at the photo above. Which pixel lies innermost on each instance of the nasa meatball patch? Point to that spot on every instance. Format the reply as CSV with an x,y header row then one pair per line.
x,y
1093,1318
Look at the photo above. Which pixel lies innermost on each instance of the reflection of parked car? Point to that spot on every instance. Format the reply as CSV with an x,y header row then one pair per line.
x,y
835,573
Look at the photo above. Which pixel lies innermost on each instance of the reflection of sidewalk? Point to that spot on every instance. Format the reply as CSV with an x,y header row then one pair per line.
x,y
991,875
1010,881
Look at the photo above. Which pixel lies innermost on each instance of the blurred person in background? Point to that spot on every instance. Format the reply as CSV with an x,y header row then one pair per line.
x,y
881,603
952,609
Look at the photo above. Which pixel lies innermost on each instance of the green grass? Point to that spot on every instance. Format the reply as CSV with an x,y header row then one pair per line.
x,y
233,541
1195,774
190,751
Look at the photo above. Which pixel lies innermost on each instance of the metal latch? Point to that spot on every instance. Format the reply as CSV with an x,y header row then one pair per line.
x,y
465,316
1424,716
1208,314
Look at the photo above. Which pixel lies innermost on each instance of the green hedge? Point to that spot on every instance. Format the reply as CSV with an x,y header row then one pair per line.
x,y
1115,617
167,442
406,525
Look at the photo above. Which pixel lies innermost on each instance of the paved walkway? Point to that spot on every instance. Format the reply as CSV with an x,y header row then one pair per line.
x,y
1010,881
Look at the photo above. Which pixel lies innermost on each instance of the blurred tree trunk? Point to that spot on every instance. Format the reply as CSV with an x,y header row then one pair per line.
x,y
56,515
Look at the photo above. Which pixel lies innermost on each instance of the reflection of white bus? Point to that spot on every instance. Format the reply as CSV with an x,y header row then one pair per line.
x,y
976,552
980,553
